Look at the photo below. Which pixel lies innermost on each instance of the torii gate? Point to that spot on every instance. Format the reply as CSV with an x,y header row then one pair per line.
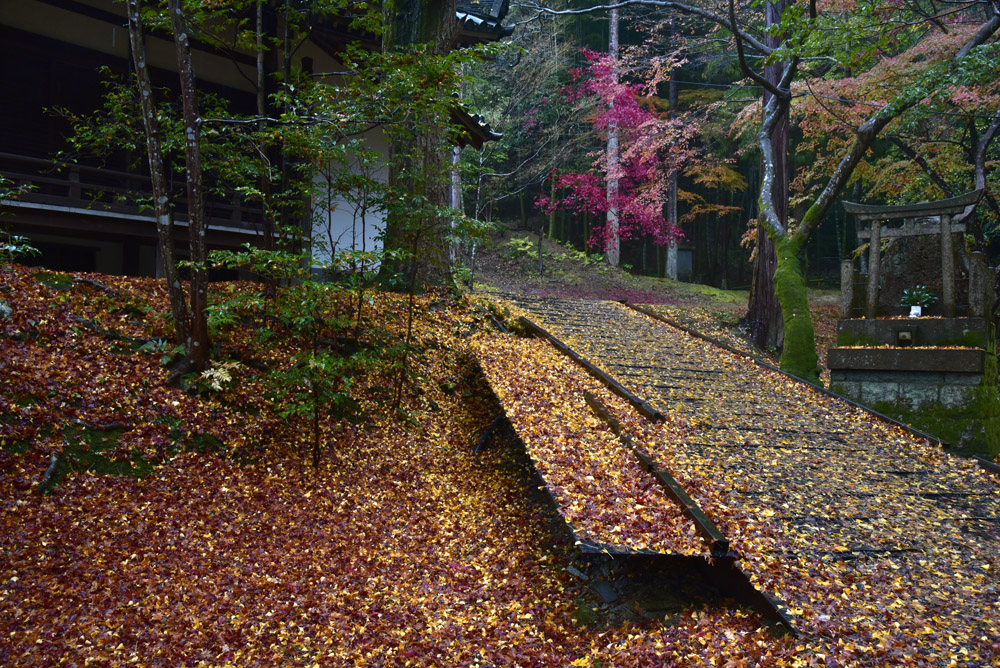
x,y
921,218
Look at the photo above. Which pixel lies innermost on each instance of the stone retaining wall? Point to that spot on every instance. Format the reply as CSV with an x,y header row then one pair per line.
x,y
907,389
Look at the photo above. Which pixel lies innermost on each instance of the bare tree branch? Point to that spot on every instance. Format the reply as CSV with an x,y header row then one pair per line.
x,y
919,159
983,33
683,7
759,80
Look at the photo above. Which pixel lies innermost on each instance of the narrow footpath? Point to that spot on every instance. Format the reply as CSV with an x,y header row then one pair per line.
x,y
864,530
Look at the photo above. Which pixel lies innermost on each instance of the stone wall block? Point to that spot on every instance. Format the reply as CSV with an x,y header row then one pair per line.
x,y
955,397
918,395
874,392
963,379
849,389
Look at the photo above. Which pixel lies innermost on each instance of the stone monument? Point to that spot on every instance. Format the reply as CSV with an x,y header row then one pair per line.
x,y
938,371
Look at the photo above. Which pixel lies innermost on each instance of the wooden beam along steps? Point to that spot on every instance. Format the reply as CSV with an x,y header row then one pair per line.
x,y
722,557
718,543
987,464
496,321
640,404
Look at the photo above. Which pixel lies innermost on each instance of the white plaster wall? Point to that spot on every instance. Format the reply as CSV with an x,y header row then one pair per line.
x,y
338,223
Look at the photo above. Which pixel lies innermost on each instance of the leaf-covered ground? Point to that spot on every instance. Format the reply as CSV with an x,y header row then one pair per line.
x,y
883,546
509,268
402,549
599,487
216,544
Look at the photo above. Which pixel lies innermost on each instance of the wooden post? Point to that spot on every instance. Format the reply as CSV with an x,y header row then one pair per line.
x,y
236,214
74,192
947,268
874,259
980,286
846,287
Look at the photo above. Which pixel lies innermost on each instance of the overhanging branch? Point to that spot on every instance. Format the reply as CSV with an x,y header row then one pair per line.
x,y
759,80
917,158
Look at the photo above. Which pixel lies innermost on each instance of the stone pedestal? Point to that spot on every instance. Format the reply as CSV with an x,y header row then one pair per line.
x,y
907,378
939,390
913,332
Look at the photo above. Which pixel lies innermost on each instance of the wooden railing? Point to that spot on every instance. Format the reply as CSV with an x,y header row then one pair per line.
x,y
78,186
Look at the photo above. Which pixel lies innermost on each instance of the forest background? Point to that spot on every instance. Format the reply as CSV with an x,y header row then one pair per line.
x,y
877,102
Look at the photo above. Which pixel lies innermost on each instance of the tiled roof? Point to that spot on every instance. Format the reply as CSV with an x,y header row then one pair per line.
x,y
476,130
482,20
487,9
476,28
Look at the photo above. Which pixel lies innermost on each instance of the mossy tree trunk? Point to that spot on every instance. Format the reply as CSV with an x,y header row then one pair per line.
x,y
798,355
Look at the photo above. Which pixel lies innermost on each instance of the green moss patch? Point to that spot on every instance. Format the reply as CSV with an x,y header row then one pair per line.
x,y
968,339
96,451
974,429
54,280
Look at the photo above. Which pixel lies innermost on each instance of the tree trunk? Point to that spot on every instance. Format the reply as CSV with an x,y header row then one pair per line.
x,y
198,334
611,233
157,172
455,193
724,245
315,399
541,250
552,213
410,23
672,190
764,314
267,67
455,183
